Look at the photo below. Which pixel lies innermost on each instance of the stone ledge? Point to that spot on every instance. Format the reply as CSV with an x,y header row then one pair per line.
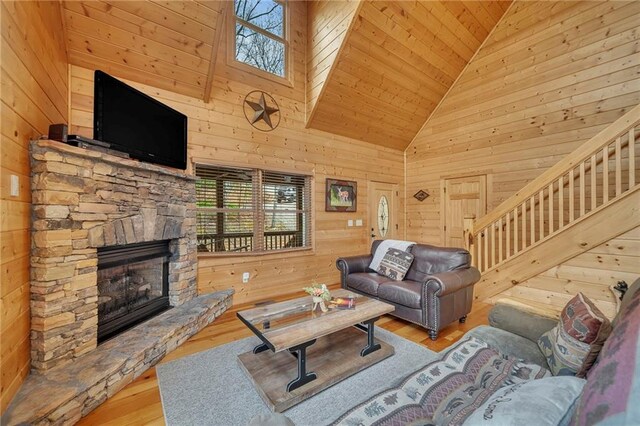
x,y
64,394
111,159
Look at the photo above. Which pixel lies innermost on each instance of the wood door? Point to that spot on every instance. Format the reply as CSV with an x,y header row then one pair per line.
x,y
383,210
463,196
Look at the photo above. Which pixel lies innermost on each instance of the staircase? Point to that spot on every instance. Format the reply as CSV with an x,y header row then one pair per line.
x,y
586,199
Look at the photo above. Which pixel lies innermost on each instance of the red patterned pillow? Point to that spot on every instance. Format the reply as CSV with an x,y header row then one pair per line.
x,y
610,395
574,344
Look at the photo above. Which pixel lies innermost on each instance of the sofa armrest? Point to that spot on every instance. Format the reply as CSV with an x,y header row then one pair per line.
x,y
451,281
520,322
354,264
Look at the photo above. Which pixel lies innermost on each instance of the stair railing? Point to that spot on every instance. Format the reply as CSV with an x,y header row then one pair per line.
x,y
591,177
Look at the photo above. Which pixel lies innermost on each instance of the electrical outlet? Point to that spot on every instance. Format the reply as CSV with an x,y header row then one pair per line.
x,y
245,277
15,186
358,222
350,222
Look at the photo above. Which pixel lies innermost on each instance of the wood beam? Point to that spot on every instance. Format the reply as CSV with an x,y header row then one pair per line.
x,y
332,68
215,47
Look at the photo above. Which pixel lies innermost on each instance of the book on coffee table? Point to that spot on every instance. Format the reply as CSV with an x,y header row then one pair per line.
x,y
342,302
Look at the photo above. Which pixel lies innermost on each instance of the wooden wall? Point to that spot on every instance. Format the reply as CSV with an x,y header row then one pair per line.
x,y
169,45
34,95
591,273
219,133
549,77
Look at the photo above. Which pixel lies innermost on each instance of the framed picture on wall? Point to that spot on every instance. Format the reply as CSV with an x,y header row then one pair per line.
x,y
341,195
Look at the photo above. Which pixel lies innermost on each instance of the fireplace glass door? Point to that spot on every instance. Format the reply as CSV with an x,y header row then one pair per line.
x,y
132,285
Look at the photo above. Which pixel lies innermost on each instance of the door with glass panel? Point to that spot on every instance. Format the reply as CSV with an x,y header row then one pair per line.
x,y
383,205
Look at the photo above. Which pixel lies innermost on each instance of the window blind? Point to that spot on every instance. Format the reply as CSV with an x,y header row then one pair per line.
x,y
252,210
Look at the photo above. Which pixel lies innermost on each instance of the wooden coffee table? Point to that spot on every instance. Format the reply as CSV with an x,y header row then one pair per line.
x,y
335,344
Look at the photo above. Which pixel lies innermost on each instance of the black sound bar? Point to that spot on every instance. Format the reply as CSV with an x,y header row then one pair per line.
x,y
79,140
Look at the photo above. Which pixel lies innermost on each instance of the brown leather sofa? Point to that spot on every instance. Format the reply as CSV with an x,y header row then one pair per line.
x,y
437,289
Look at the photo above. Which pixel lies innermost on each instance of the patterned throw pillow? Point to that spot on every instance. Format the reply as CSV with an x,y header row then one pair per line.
x,y
395,264
610,396
446,391
573,345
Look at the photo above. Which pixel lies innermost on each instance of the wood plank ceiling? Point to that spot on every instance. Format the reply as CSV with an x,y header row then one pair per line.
x,y
396,63
166,44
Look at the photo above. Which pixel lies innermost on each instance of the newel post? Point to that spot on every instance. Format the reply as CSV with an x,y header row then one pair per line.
x,y
467,235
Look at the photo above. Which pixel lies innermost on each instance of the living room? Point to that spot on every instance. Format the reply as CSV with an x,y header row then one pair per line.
x,y
467,118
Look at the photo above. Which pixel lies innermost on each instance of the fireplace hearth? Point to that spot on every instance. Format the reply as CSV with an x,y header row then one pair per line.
x,y
133,285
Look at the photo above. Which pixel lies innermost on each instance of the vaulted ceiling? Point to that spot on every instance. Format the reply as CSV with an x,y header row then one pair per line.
x,y
396,61
375,69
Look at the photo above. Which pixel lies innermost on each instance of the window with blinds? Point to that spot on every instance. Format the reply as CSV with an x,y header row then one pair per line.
x,y
251,210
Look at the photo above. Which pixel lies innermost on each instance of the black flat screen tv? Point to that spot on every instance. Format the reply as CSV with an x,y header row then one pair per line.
x,y
135,123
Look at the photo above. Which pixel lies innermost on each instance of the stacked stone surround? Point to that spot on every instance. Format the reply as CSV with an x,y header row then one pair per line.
x,y
64,394
82,200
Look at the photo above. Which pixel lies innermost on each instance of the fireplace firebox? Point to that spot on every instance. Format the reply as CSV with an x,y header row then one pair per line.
x,y
133,285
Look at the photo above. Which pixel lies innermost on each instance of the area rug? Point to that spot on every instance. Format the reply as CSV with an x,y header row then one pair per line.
x,y
209,388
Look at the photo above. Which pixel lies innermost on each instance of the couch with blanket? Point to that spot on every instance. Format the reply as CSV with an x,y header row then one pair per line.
x,y
523,369
436,290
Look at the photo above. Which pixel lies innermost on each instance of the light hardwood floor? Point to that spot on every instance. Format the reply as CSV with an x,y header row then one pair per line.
x,y
139,403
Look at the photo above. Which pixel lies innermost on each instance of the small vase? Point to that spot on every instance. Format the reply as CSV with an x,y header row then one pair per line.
x,y
319,301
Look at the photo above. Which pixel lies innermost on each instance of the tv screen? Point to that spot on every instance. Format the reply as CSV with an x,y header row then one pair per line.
x,y
137,124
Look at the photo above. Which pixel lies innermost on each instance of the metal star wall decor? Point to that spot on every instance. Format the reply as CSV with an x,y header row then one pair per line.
x,y
261,110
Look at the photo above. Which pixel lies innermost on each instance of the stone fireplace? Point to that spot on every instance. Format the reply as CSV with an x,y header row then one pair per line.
x,y
90,209
113,243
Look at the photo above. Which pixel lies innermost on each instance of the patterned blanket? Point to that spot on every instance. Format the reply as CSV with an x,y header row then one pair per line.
x,y
446,391
384,246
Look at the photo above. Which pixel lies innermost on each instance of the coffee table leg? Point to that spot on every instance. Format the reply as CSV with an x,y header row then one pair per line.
x,y
371,345
260,348
300,352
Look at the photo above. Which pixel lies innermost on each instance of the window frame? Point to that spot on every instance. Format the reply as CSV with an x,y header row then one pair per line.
x,y
259,213
243,66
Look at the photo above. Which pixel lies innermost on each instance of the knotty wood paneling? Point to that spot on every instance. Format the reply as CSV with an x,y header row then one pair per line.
x,y
167,44
396,63
327,25
591,273
548,78
34,95
219,133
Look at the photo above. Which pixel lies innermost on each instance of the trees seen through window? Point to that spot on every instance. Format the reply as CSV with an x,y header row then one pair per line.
x,y
260,38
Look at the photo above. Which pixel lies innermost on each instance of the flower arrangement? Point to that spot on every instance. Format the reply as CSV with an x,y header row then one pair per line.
x,y
319,290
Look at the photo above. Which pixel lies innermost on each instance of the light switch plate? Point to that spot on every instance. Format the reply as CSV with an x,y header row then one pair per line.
x,y
15,186
358,222
245,277
350,222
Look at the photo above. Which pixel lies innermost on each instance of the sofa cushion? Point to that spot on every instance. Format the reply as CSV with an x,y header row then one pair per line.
x,y
523,323
366,282
395,264
610,396
550,401
445,391
429,260
509,344
405,293
572,346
